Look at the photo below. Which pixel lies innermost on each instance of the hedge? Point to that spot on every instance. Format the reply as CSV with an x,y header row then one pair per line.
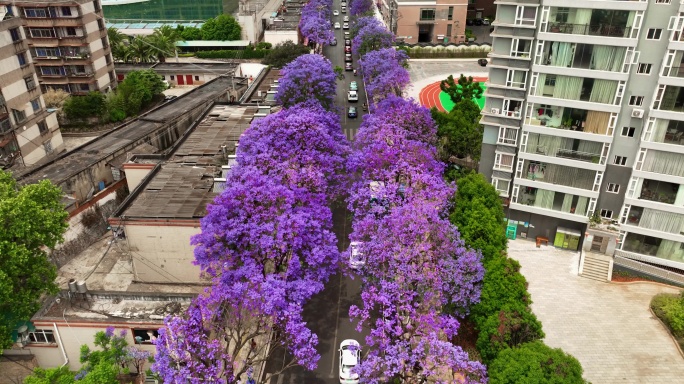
x,y
233,54
443,53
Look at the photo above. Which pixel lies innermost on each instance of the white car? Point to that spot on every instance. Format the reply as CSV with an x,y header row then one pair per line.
x,y
345,26
346,19
356,258
344,9
346,35
336,13
352,96
337,25
350,357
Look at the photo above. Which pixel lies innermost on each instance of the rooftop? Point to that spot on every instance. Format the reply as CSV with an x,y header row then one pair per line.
x,y
266,89
181,187
123,24
72,163
216,68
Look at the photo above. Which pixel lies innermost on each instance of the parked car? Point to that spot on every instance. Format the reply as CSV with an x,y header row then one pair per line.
x,y
334,42
478,21
482,62
170,97
337,25
485,22
348,57
350,357
353,86
347,49
345,26
352,96
347,35
336,13
352,112
344,3
347,42
348,67
346,19
356,257
469,22
344,9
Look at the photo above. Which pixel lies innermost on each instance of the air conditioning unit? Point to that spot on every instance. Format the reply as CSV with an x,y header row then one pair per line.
x,y
638,113
494,111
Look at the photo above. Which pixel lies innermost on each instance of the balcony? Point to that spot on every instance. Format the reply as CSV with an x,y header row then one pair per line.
x,y
573,119
563,147
588,29
576,88
669,98
559,174
674,72
591,22
665,163
557,201
53,22
659,191
668,132
653,246
583,56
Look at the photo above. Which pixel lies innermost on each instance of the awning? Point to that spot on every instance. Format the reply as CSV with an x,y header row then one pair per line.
x,y
568,231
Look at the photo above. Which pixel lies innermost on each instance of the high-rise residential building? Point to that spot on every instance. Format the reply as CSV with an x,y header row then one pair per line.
x,y
584,114
29,132
68,43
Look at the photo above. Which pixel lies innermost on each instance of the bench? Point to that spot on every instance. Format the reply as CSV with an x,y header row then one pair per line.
x,y
542,239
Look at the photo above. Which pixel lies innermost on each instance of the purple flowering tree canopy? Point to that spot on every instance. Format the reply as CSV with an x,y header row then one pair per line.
x,y
371,37
306,78
361,7
315,23
384,73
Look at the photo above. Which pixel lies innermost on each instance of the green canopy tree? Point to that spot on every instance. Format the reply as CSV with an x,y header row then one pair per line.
x,y
33,220
464,89
163,41
459,132
283,53
222,27
139,50
535,363
117,42
60,375
189,33
136,91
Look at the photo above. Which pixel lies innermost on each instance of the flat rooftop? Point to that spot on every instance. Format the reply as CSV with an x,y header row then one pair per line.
x,y
74,162
182,186
215,68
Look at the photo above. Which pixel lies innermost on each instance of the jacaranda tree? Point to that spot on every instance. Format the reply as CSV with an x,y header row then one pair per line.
x,y
384,73
361,7
371,36
315,23
308,77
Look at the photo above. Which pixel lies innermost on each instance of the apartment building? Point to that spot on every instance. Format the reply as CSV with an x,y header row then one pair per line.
x,y
68,43
28,131
584,115
431,21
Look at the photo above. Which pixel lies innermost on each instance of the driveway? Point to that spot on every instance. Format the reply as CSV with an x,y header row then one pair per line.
x,y
606,326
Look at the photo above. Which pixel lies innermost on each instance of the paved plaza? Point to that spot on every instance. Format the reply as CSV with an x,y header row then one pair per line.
x,y
607,326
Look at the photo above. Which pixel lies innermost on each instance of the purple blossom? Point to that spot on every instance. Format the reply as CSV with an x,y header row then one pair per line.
x,y
384,73
370,35
358,7
307,78
315,22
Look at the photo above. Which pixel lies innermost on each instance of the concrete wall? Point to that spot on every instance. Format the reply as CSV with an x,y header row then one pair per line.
x,y
135,173
614,174
409,15
487,160
162,253
543,225
277,37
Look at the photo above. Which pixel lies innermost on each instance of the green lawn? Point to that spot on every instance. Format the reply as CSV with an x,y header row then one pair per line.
x,y
449,105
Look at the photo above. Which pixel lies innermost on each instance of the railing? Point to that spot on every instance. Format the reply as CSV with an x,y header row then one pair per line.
x,y
658,197
632,261
577,155
587,29
675,72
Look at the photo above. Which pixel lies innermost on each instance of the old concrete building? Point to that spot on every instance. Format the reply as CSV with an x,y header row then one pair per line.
x,y
29,133
434,21
69,45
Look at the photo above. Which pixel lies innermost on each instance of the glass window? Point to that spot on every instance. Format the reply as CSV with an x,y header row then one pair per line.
x,y
628,131
19,116
644,68
427,14
15,34
448,32
451,15
42,127
35,12
66,11
35,104
654,33
48,149
22,58
42,336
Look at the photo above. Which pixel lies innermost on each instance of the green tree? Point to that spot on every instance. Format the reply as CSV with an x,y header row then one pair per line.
x,y
459,132
139,50
465,88
60,375
82,107
189,33
163,41
222,27
512,325
535,363
136,91
117,42
283,53
34,220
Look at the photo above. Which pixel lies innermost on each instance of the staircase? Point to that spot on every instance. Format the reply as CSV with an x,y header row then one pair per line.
x,y
596,266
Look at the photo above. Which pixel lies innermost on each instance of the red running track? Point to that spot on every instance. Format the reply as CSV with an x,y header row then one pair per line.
x,y
429,96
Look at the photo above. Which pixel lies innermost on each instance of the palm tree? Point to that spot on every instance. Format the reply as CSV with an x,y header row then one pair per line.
x,y
164,41
140,51
117,41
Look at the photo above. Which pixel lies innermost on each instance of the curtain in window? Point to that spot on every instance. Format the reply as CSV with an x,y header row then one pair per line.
x,y
519,79
669,98
607,58
562,54
679,200
603,91
544,144
677,65
582,204
590,147
664,162
544,199
567,203
568,87
670,250
661,221
597,122
541,84
630,21
582,20
659,130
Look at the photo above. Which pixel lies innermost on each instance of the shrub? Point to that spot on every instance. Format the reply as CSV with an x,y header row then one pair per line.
x,y
511,326
535,363
670,309
233,54
83,107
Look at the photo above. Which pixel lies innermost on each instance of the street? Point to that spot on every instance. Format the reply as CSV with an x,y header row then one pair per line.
x,y
327,314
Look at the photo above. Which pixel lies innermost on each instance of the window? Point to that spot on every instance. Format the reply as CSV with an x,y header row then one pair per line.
x,y
145,336
606,214
636,100
173,77
42,32
19,116
100,24
35,12
628,131
30,82
52,71
15,34
42,127
22,58
450,16
654,33
501,185
5,125
448,32
197,78
504,162
427,14
562,15
42,336
613,188
85,87
35,104
48,146
105,45
70,31
663,2
620,160
108,58
644,68
66,11
46,52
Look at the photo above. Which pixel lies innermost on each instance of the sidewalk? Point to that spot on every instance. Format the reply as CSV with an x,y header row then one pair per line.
x,y
607,326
